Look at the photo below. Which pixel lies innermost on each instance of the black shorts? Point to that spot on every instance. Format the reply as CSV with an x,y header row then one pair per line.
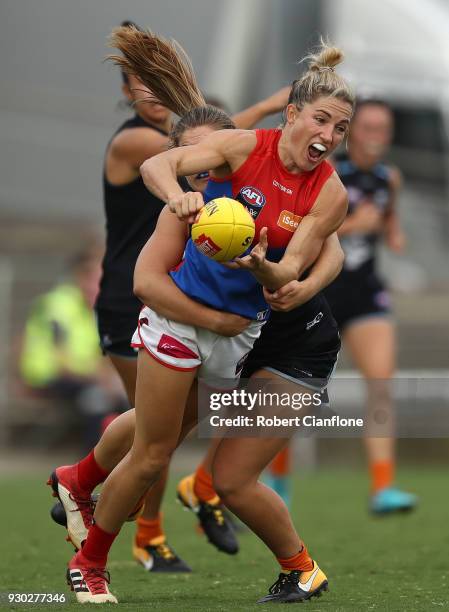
x,y
301,345
354,296
115,330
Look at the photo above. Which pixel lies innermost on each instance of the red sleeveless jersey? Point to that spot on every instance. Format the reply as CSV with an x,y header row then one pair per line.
x,y
276,198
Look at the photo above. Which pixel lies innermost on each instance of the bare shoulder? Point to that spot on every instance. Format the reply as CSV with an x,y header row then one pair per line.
x,y
331,205
245,140
234,145
138,139
335,190
233,141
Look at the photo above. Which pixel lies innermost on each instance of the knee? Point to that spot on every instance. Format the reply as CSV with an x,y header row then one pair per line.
x,y
227,486
379,390
152,464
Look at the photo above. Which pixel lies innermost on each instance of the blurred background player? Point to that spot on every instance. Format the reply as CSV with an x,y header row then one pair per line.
x,y
60,357
358,297
131,216
278,475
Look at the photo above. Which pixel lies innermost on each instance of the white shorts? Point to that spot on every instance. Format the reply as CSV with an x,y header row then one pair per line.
x,y
185,348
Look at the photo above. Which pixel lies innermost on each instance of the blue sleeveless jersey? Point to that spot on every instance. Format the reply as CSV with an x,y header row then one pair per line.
x,y
276,199
211,283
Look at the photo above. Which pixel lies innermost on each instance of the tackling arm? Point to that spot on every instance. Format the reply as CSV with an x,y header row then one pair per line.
x,y
325,269
155,288
222,151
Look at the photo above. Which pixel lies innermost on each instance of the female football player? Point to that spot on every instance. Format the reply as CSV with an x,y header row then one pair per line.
x,y
288,168
358,297
131,216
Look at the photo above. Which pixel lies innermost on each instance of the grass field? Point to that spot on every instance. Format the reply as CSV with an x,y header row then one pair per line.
x,y
399,563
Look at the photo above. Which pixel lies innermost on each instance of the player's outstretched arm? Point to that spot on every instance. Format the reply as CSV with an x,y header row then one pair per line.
x,y
325,269
155,288
249,117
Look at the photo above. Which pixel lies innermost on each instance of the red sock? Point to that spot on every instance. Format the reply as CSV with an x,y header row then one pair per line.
x,y
96,548
148,531
382,475
90,474
202,486
301,562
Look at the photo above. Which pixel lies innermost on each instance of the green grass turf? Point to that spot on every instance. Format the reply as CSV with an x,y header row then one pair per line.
x,y
397,563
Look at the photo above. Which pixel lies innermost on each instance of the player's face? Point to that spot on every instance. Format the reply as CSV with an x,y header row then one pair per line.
x,y
141,98
371,132
193,136
314,132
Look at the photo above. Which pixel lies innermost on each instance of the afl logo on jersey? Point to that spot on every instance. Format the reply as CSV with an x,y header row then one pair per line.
x,y
253,196
253,199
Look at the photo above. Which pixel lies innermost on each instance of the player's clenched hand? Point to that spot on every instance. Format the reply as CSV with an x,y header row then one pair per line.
x,y
186,205
255,259
229,324
290,296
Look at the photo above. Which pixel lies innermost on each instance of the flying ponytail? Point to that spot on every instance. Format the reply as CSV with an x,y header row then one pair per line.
x,y
162,65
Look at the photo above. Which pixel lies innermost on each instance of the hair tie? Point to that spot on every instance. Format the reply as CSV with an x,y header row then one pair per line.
x,y
324,68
